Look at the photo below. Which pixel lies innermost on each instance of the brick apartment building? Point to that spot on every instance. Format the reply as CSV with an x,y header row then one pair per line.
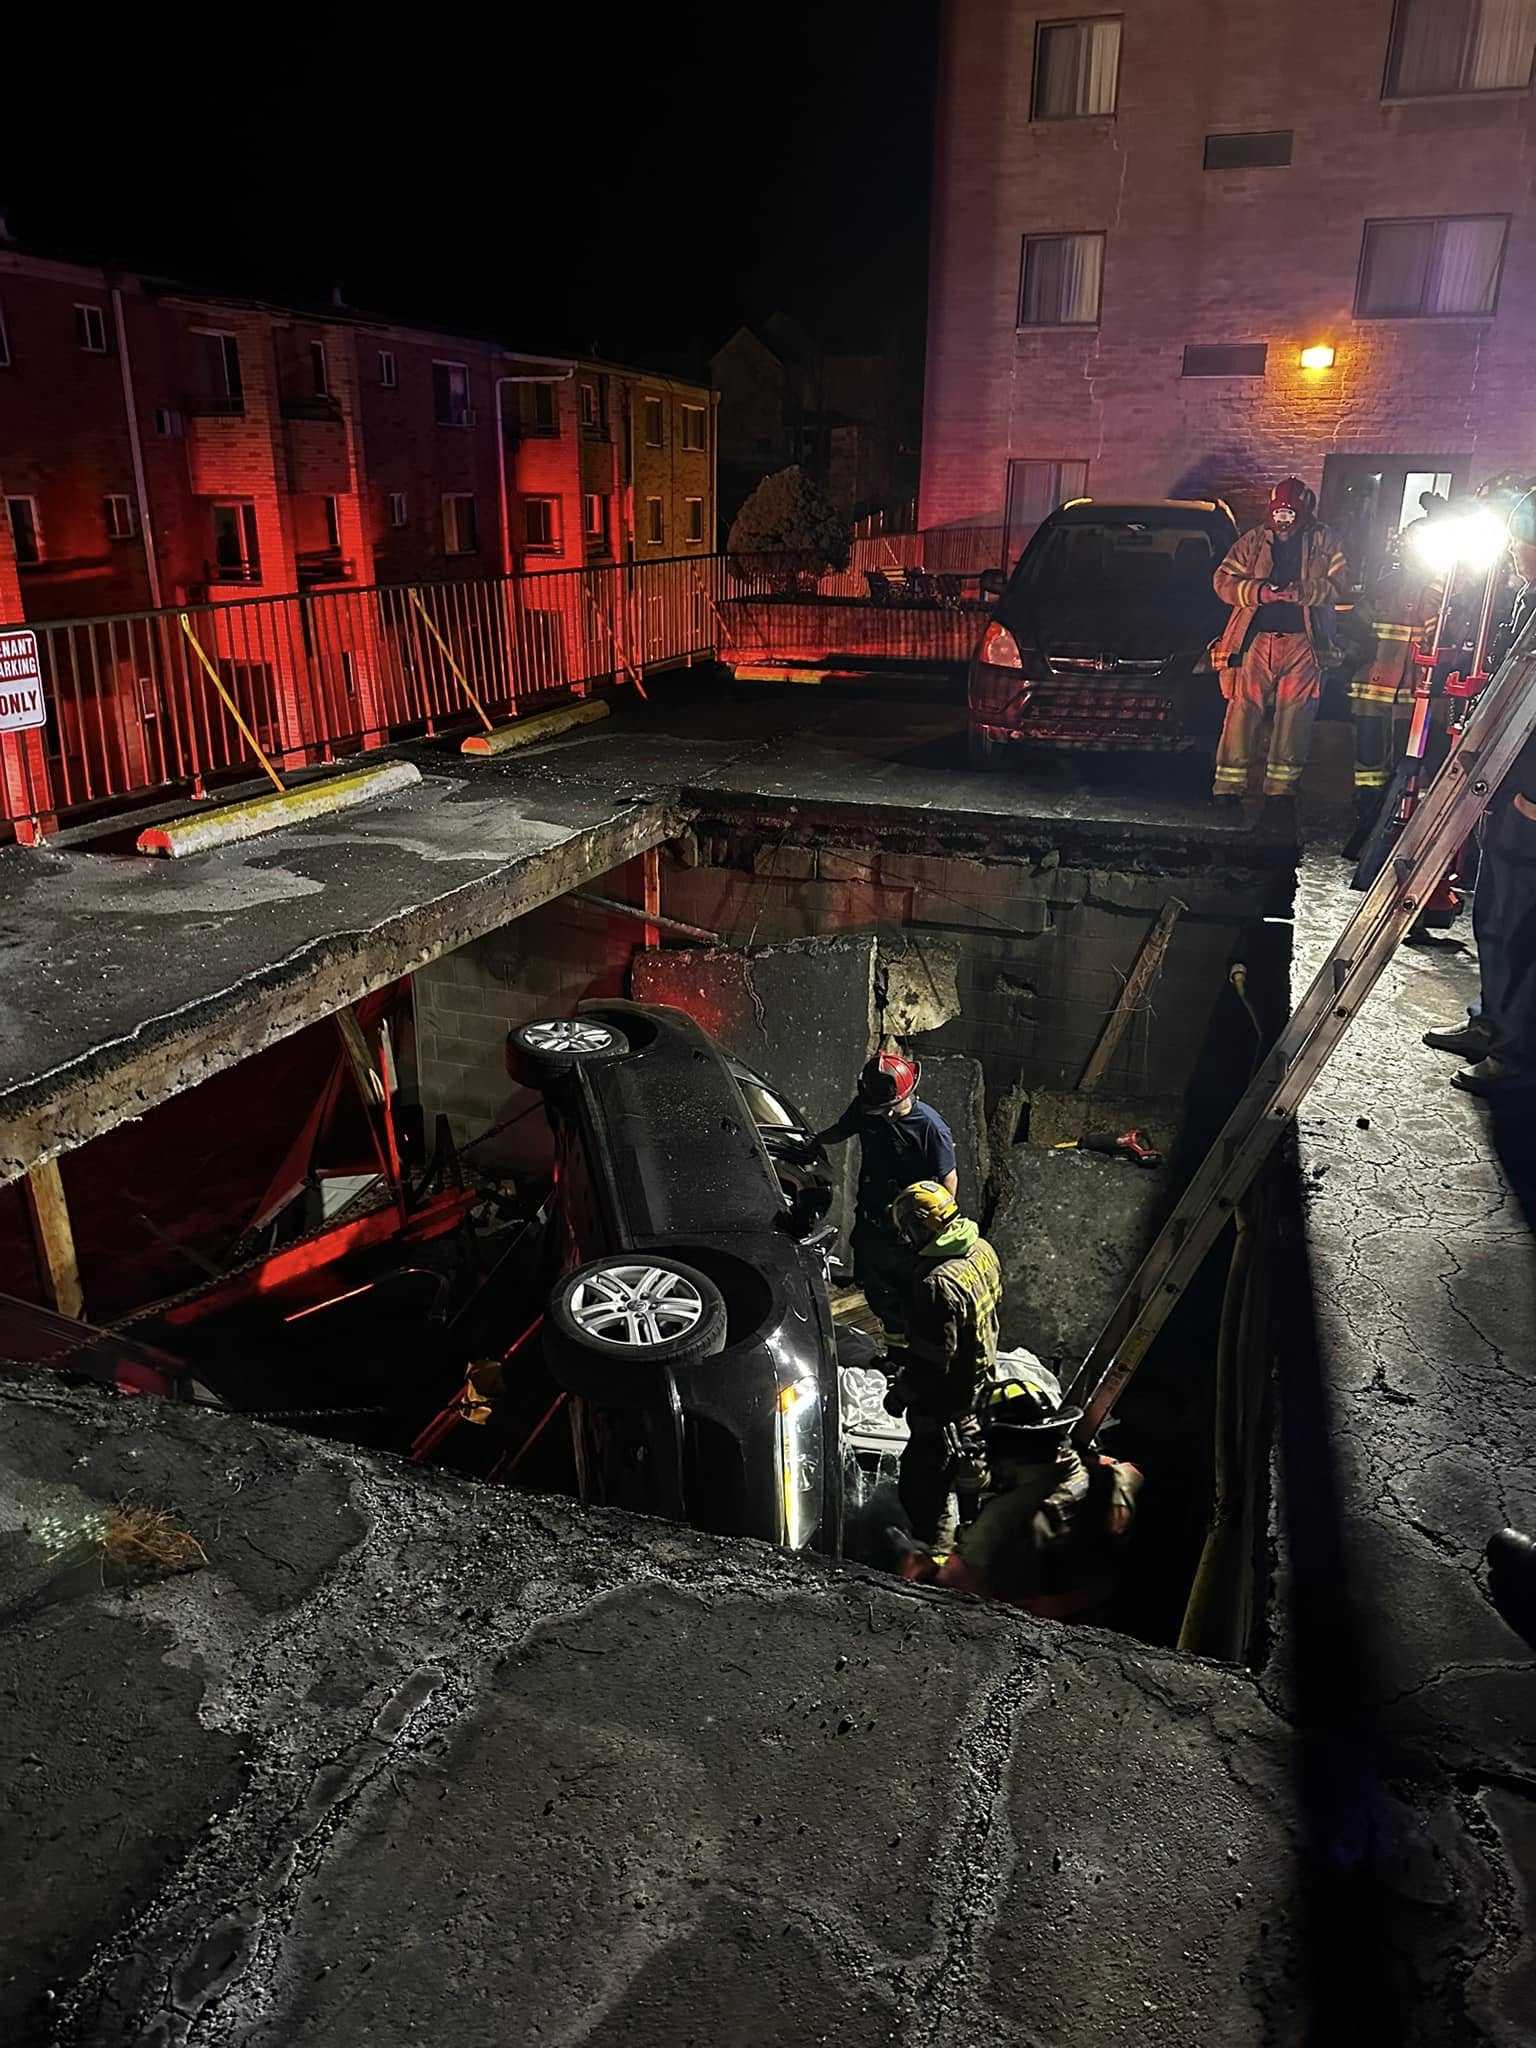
x,y
160,445
1144,215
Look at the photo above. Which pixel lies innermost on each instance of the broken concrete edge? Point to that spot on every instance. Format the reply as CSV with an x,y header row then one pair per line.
x,y
205,830
115,1084
542,725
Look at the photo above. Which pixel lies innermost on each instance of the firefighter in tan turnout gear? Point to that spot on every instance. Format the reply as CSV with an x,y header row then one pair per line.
x,y
1282,580
950,1352
1403,602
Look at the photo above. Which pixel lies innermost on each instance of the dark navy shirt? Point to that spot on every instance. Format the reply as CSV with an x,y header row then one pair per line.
x,y
894,1152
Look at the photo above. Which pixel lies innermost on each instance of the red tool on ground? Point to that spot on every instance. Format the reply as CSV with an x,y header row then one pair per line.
x,y
1132,1145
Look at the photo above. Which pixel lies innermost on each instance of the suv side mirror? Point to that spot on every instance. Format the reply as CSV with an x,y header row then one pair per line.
x,y
992,583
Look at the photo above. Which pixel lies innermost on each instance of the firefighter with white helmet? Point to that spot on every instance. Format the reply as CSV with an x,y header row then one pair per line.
x,y
901,1140
948,1357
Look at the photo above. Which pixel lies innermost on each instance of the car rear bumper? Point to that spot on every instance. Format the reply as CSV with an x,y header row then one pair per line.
x,y
1083,716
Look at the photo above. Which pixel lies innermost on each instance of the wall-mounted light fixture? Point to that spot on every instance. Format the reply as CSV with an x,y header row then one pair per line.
x,y
1318,357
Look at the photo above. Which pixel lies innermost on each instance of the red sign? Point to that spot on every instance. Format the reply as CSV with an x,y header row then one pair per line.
x,y
22,704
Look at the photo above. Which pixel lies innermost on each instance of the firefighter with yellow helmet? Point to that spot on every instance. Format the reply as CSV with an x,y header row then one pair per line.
x,y
948,1356
1403,604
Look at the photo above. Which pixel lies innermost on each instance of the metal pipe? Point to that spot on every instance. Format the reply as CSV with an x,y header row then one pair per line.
x,y
136,446
614,908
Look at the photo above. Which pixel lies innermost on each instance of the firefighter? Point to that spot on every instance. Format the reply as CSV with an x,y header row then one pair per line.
x,y
949,1355
901,1140
1282,580
1052,1522
1403,602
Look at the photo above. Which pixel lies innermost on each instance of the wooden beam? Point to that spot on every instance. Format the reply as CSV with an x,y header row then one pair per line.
x,y
44,1190
650,871
1144,971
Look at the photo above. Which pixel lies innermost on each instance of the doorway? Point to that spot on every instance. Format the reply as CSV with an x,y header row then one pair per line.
x,y
1368,500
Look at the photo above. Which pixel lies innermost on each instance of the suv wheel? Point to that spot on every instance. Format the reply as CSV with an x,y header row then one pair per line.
x,y
985,751
550,1047
627,1312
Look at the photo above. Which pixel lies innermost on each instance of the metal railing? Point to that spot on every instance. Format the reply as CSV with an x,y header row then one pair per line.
x,y
133,711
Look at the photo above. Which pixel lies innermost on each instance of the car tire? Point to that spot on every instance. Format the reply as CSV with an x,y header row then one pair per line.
x,y
985,752
549,1048
615,1323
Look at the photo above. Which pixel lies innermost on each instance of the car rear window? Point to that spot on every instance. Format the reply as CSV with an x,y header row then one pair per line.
x,y
1119,558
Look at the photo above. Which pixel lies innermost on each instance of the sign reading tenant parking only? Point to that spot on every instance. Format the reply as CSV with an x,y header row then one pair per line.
x,y
22,703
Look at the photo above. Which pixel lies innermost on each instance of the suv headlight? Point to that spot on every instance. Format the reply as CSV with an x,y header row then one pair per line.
x,y
799,1461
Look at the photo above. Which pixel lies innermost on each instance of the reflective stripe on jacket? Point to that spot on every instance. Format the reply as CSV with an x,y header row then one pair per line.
x,y
952,1332
1247,567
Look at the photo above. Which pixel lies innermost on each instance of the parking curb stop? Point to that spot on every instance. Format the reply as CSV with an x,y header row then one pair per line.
x,y
541,725
223,827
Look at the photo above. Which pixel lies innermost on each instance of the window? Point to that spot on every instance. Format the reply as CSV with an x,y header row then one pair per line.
x,y
541,522
694,417
236,551
1430,269
1034,489
655,523
1225,359
122,524
693,532
1366,500
450,395
589,405
542,416
333,523
169,424
594,517
655,422
397,508
26,532
1444,46
318,372
1248,152
221,385
461,526
91,329
1061,280
5,343
1077,69
389,370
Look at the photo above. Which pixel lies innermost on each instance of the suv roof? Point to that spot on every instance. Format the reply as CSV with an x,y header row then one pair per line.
x,y
1132,508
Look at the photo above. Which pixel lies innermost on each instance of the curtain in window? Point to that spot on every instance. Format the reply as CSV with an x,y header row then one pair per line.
x,y
1466,270
1062,276
1501,45
1431,39
1396,266
1099,67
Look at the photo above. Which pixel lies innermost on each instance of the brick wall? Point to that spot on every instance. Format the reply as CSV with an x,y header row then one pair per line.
x,y
1211,256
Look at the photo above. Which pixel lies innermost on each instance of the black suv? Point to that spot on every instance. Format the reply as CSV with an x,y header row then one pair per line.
x,y
1098,638
691,1319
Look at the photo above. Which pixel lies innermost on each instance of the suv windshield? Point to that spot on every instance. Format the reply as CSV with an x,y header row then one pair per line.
x,y
1125,559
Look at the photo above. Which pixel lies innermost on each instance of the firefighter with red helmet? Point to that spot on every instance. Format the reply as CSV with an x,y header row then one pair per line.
x,y
901,1140
1282,580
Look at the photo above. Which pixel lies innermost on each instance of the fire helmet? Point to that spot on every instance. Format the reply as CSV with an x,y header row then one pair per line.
x,y
1291,503
923,1211
887,1081
1019,1421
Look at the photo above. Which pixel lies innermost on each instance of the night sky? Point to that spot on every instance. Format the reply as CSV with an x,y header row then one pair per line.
x,y
561,177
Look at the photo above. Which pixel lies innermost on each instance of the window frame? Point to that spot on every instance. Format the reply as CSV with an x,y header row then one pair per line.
x,y
466,415
545,388
129,529
319,369
1023,326
229,370
655,516
40,551
396,501
690,538
650,400
389,370
1257,375
453,535
1250,135
85,313
332,504
601,531
550,543
170,423
1429,220
1392,92
701,414
249,536
1072,21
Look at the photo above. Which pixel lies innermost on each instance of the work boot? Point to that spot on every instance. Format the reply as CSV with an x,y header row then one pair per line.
x,y
1512,1580
1226,805
1469,1041
1367,809
1491,1076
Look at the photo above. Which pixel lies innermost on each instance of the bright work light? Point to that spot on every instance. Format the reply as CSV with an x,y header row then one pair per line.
x,y
1473,539
1318,357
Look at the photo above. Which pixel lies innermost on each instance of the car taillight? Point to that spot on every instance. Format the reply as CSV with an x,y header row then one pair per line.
x,y
998,647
